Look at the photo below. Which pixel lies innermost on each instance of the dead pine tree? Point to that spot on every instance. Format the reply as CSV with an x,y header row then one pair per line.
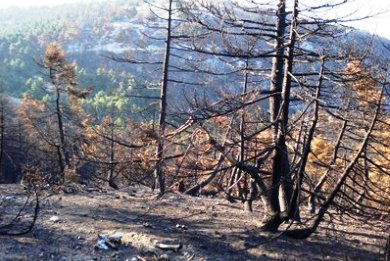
x,y
166,25
54,123
159,172
54,61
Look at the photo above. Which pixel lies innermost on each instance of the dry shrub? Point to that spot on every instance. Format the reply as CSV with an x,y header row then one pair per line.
x,y
362,83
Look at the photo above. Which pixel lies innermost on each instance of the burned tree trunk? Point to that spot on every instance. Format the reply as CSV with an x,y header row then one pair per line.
x,y
158,174
278,157
295,201
61,153
281,187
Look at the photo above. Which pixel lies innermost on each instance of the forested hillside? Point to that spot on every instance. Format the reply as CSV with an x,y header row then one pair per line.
x,y
92,33
86,32
267,106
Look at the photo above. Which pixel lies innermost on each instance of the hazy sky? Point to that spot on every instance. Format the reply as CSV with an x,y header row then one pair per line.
x,y
25,3
379,25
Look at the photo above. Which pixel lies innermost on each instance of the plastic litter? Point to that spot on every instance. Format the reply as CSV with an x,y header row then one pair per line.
x,y
54,219
168,246
180,226
101,243
108,242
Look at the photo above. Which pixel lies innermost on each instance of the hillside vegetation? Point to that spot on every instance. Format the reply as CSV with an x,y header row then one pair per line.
x,y
279,115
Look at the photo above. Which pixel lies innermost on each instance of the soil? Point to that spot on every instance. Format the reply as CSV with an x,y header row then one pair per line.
x,y
204,228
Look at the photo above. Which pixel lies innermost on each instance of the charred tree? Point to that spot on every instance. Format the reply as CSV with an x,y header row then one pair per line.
x,y
159,172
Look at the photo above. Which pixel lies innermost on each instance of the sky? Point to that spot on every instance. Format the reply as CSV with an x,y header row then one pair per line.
x,y
379,9
380,24
26,3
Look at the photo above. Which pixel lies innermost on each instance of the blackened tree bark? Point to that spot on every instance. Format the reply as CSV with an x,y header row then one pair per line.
x,y
280,190
159,172
62,159
111,177
286,183
295,200
279,165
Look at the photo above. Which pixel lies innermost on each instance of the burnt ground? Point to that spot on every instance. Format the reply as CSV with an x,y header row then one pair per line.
x,y
207,229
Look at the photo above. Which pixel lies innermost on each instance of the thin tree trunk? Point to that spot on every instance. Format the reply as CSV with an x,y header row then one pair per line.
x,y
62,158
386,254
295,201
364,191
111,178
281,186
247,188
286,187
159,175
198,187
239,187
231,184
273,218
253,192
321,182
195,189
297,145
